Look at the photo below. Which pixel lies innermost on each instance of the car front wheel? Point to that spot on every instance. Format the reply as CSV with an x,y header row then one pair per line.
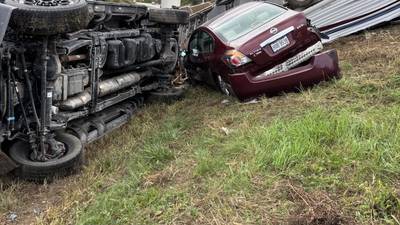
x,y
224,87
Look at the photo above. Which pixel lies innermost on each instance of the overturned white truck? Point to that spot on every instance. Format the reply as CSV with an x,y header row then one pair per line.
x,y
71,71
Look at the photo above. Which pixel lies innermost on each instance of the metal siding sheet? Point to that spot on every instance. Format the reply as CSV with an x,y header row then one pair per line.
x,y
340,10
372,12
364,23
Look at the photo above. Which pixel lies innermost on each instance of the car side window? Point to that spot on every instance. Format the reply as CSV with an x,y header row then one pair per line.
x,y
193,42
205,42
200,43
193,45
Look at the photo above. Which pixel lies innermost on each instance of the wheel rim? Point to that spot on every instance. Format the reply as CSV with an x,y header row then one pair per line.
x,y
19,153
47,3
223,86
56,152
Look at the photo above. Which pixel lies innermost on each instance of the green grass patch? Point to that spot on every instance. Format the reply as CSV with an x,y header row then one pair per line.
x,y
334,149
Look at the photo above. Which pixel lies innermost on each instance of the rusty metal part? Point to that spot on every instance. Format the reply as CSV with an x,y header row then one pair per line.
x,y
73,58
6,164
196,9
180,75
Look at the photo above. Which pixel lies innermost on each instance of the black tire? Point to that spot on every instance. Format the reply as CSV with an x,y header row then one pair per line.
x,y
166,95
299,3
42,20
169,16
41,171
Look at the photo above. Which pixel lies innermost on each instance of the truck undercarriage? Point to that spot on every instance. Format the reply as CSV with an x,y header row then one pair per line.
x,y
66,81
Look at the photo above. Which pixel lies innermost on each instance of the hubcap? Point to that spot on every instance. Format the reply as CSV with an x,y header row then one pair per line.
x,y
223,85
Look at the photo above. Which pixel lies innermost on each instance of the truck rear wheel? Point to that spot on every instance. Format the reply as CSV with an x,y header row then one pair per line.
x,y
49,17
31,170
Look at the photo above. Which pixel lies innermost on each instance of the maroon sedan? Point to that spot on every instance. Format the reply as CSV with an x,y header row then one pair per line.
x,y
259,48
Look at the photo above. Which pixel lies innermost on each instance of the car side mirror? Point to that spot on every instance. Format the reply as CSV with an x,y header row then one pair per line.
x,y
195,52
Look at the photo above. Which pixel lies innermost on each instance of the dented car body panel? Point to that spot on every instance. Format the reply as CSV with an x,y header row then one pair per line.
x,y
321,67
267,55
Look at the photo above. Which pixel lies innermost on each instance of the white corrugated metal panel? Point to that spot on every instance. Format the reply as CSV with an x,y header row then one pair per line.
x,y
364,23
331,11
350,16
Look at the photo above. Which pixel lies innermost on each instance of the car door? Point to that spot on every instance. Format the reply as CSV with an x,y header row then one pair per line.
x,y
201,54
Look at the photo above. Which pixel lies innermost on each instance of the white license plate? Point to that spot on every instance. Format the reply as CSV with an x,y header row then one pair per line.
x,y
279,44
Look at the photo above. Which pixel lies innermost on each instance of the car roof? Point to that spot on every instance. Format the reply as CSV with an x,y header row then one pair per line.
x,y
228,15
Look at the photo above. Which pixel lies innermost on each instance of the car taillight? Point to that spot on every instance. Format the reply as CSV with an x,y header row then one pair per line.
x,y
235,58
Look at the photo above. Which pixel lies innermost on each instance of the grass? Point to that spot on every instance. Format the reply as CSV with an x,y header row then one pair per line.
x,y
326,155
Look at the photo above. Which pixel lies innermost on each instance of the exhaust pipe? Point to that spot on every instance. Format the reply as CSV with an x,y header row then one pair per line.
x,y
105,87
6,164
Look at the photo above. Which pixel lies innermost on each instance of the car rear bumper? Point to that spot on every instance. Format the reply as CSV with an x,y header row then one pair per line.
x,y
320,67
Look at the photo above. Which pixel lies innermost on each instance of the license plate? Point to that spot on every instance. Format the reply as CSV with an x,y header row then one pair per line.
x,y
280,44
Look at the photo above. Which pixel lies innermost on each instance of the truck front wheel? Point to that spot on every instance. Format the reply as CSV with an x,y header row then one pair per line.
x,y
39,171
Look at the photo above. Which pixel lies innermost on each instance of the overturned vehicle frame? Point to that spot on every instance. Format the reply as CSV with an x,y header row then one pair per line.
x,y
71,71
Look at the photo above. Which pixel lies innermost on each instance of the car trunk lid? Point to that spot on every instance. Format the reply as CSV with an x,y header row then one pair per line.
x,y
276,41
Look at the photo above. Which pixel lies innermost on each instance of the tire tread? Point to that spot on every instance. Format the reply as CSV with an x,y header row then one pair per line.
x,y
49,20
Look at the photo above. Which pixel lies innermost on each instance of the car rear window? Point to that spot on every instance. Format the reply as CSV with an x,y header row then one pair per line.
x,y
248,21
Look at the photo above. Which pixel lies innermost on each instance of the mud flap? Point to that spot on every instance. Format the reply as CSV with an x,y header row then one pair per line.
x,y
6,164
5,15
